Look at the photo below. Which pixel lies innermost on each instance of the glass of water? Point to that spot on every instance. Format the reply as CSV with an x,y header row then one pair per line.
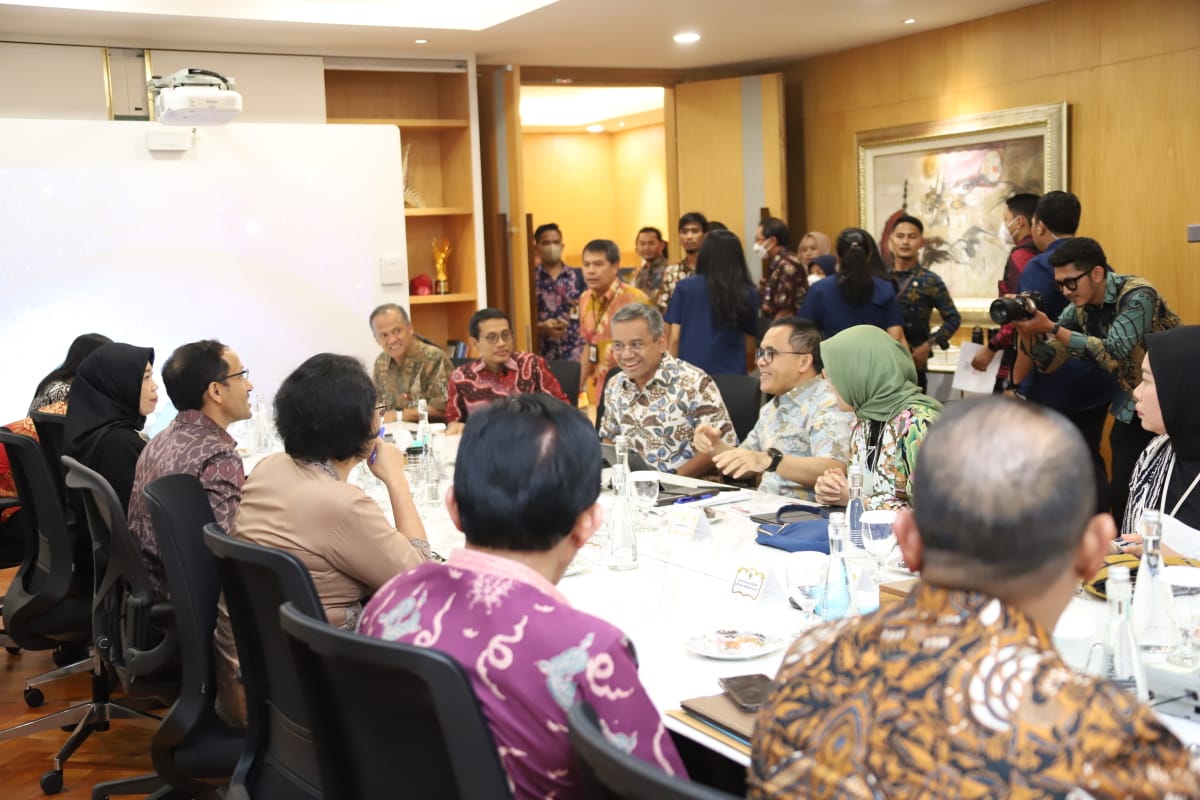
x,y
878,538
643,490
804,573
1185,611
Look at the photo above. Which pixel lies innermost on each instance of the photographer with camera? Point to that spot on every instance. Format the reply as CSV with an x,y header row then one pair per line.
x,y
1080,390
1106,323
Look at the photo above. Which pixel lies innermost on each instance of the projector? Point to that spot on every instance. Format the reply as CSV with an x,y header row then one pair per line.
x,y
194,96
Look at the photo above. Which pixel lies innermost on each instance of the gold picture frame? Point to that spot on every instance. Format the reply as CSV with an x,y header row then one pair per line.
x,y
954,175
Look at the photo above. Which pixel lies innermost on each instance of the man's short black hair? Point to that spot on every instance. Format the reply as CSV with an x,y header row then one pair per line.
x,y
189,371
650,229
1060,212
694,218
483,315
1001,488
527,466
1081,251
911,220
803,337
1023,205
775,227
549,226
606,246
324,410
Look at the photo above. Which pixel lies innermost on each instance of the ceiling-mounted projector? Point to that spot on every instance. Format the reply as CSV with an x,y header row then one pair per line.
x,y
194,96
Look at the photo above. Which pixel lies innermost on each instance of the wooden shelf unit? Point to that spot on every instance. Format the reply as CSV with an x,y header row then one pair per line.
x,y
439,132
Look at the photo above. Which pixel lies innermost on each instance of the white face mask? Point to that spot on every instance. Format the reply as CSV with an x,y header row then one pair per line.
x,y
760,249
1005,234
814,278
551,253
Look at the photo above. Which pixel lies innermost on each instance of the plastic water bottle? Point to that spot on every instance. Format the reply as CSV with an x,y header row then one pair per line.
x,y
837,594
1118,658
416,471
622,534
620,470
1152,599
854,507
423,430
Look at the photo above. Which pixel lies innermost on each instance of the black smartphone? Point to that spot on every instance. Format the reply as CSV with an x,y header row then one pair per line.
x,y
749,692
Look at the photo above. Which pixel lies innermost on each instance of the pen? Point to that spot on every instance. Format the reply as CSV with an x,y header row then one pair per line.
x,y
375,449
693,497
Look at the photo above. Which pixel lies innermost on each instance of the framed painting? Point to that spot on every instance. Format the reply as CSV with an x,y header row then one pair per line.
x,y
954,175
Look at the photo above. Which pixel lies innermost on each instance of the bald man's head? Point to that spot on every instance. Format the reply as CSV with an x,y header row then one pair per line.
x,y
1002,488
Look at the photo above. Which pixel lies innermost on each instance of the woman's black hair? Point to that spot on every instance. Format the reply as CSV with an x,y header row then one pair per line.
x,y
324,410
81,348
861,264
723,264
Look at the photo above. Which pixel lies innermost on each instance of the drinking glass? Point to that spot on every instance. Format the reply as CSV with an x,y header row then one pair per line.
x,y
1185,611
878,538
804,573
644,491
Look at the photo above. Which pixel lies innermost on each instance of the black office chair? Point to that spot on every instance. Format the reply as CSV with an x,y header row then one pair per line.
x,y
42,609
192,743
609,773
49,429
567,375
458,362
741,396
603,391
278,758
391,718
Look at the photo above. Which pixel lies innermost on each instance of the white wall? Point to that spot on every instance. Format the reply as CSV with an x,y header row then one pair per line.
x,y
264,236
52,81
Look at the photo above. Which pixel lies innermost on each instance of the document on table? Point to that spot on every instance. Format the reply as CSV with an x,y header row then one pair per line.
x,y
969,379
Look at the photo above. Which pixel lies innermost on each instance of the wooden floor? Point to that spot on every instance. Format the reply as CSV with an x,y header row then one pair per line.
x,y
121,751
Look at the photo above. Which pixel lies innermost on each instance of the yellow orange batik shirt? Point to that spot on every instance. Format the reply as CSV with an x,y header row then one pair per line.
x,y
954,694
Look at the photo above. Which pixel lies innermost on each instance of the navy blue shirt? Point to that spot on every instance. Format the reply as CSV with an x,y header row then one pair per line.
x,y
825,307
718,349
1079,384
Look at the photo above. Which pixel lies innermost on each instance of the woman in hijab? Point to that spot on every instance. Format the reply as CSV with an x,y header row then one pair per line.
x,y
873,376
1167,475
111,395
813,244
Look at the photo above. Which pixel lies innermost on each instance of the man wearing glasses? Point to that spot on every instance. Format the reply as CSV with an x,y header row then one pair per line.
x,y
210,387
409,369
657,400
800,433
499,372
1106,321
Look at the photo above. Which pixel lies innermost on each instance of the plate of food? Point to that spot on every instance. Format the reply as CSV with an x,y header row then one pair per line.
x,y
733,645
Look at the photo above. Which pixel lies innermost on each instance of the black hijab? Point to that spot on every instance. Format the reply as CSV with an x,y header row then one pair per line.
x,y
105,395
1175,361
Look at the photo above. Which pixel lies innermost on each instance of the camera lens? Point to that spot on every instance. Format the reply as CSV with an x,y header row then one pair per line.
x,y
1007,309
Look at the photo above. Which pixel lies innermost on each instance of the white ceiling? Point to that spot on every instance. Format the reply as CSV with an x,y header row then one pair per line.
x,y
569,33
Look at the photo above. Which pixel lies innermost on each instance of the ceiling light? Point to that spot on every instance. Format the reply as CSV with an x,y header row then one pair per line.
x,y
422,41
910,21
595,129
564,81
687,37
620,124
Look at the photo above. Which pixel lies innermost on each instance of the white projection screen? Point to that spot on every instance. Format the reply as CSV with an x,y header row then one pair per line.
x,y
265,236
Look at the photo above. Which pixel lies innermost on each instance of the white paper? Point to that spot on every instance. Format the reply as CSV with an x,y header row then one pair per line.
x,y
969,379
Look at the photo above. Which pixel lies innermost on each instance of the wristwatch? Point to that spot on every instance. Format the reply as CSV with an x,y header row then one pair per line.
x,y
1054,329
776,457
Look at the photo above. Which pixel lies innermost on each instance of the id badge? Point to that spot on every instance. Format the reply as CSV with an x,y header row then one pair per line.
x,y
593,354
573,312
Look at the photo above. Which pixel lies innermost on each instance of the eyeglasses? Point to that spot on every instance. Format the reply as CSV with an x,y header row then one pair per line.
x,y
767,354
502,336
636,346
1071,283
381,409
243,374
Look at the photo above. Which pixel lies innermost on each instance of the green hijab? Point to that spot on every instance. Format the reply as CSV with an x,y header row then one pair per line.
x,y
874,373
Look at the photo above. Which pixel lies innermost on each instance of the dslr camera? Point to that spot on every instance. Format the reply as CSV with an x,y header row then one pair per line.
x,y
1015,309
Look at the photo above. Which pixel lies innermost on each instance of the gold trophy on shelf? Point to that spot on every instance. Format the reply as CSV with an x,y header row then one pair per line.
x,y
441,252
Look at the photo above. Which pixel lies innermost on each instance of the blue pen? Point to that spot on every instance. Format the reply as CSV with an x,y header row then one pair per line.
x,y
693,497
375,449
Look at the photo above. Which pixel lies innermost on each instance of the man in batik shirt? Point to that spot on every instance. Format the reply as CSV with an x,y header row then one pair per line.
x,y
558,289
920,290
659,401
499,372
958,691
693,227
210,387
651,249
524,495
605,296
785,280
800,432
408,370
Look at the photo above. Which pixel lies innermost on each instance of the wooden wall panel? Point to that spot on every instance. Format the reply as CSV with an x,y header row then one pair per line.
x,y
708,119
1128,71
640,174
569,180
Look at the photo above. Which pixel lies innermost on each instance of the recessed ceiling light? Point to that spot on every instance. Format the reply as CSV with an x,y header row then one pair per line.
x,y
595,129
564,81
910,21
620,124
422,41
687,37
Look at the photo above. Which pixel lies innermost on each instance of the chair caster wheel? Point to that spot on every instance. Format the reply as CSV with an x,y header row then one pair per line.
x,y
52,782
34,697
12,651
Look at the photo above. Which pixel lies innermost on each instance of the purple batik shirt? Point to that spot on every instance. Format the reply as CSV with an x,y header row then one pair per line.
x,y
531,657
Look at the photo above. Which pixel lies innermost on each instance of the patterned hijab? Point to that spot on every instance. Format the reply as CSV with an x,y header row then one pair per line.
x,y
873,373
106,394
